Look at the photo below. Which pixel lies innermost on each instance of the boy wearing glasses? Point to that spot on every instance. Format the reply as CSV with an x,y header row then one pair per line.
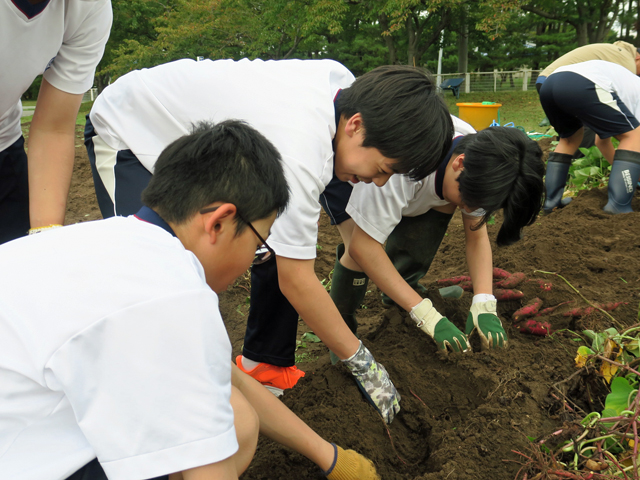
x,y
133,379
322,122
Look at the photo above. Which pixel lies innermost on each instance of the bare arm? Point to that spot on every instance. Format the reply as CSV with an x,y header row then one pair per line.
x,y
479,256
51,153
298,282
374,261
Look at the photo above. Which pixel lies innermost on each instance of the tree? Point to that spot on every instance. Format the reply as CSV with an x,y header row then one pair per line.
x,y
592,19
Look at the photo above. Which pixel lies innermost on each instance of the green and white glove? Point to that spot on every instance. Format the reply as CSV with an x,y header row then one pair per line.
x,y
483,319
446,335
373,381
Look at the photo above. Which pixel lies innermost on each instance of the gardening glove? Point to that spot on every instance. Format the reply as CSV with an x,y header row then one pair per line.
x,y
373,381
350,465
483,318
446,334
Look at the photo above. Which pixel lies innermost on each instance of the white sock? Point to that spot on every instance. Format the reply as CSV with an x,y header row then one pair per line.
x,y
248,364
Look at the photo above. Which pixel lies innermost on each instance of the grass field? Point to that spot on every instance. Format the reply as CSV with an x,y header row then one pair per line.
x,y
80,120
521,108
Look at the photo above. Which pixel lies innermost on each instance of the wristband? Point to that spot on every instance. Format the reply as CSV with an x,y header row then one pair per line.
x,y
33,231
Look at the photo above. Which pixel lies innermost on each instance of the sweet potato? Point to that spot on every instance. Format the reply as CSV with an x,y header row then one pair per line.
x,y
582,311
445,282
499,273
535,327
529,310
467,286
550,310
512,281
506,295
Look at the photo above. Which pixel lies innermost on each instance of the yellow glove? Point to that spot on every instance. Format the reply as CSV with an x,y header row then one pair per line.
x,y
350,465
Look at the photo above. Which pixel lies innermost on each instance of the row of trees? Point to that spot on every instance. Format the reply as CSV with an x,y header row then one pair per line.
x,y
362,34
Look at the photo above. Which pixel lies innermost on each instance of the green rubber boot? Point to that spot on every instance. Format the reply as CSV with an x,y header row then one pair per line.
x,y
348,289
413,244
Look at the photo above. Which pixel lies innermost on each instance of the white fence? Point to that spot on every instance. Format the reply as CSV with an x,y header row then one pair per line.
x,y
496,81
91,95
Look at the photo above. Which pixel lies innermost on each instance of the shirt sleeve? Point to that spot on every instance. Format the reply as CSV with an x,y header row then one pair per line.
x,y
74,66
377,210
150,386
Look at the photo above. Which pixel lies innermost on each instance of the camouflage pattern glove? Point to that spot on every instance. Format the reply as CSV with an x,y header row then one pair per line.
x,y
373,381
446,334
483,319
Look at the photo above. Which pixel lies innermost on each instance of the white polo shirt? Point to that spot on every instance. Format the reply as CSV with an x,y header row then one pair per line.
x,y
377,210
289,101
120,355
65,40
611,77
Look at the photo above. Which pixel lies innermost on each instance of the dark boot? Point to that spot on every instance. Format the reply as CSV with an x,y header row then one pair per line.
x,y
348,289
413,244
622,181
555,179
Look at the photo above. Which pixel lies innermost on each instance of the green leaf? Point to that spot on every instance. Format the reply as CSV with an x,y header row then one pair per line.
x,y
310,337
584,351
618,399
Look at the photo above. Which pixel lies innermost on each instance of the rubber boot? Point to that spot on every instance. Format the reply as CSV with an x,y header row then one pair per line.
x,y
413,244
622,181
555,179
348,289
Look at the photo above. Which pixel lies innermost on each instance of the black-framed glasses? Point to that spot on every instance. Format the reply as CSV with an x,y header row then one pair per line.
x,y
264,252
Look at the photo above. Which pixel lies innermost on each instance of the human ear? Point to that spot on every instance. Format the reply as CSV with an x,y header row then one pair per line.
x,y
354,125
219,221
458,163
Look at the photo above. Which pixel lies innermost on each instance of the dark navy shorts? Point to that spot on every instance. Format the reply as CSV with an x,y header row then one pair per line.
x,y
334,200
130,178
570,101
93,471
14,192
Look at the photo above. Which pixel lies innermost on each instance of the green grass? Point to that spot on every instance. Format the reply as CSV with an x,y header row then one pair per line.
x,y
80,119
521,108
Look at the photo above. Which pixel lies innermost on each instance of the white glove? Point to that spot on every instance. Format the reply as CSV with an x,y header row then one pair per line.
x,y
483,318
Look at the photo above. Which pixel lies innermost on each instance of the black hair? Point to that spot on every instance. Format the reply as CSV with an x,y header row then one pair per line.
x,y
403,115
227,162
503,168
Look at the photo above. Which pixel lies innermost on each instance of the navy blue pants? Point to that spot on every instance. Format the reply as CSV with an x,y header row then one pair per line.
x,y
131,178
93,471
14,192
272,325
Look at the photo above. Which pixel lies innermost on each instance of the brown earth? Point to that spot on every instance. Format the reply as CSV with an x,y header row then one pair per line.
x,y
462,416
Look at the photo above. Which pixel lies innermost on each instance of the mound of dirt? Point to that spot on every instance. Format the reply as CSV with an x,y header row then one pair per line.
x,y
463,415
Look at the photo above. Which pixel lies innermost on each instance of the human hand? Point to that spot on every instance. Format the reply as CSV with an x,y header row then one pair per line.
x,y
446,334
373,381
483,318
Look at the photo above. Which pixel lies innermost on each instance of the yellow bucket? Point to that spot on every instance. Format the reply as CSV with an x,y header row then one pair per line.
x,y
479,115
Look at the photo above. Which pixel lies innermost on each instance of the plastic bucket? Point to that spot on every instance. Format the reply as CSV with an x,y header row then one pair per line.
x,y
479,115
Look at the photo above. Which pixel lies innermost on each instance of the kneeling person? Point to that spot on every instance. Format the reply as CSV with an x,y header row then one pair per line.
x,y
497,168
117,363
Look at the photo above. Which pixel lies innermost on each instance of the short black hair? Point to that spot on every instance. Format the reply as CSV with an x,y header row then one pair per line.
x,y
403,115
227,162
503,168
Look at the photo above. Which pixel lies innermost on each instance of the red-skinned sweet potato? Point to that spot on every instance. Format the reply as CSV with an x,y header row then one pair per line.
x,y
529,310
535,327
543,284
550,310
582,311
506,295
512,281
445,282
499,273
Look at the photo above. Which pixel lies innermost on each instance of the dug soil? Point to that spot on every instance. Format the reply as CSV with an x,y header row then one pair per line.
x,y
463,416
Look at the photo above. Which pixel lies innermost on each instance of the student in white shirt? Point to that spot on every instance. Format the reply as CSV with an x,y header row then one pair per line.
x,y
323,122
114,360
64,40
496,168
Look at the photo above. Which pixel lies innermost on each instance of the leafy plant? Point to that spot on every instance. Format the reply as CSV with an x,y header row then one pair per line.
x,y
590,171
